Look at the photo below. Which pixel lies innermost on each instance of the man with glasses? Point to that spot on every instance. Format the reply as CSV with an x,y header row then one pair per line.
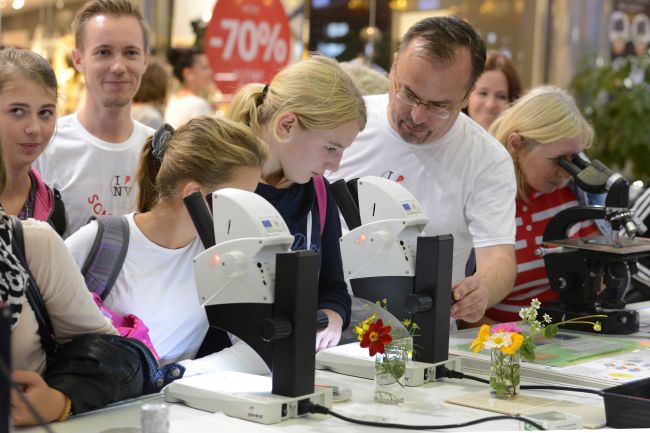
x,y
463,177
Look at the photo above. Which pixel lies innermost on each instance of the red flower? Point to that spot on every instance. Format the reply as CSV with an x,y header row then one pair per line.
x,y
376,337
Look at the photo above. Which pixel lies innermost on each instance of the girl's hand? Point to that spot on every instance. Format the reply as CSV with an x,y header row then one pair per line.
x,y
48,402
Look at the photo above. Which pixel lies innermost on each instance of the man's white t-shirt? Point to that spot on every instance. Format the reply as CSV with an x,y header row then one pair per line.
x,y
464,181
180,109
95,177
157,285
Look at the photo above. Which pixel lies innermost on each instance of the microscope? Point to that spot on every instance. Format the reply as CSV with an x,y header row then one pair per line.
x,y
254,287
592,275
386,257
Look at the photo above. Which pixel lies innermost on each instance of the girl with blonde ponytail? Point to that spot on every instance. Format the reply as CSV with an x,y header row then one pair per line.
x,y
308,115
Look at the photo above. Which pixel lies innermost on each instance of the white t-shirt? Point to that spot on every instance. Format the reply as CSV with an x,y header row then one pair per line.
x,y
95,177
157,285
181,109
464,181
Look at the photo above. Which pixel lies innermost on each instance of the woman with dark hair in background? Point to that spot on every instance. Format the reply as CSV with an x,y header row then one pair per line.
x,y
193,72
497,87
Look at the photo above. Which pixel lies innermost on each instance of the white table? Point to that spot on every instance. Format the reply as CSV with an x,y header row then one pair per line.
x,y
423,405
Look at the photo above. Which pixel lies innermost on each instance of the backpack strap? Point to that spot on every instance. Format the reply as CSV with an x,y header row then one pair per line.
x,y
321,200
106,257
33,293
57,217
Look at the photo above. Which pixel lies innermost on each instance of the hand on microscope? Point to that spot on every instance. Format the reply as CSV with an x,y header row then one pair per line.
x,y
331,335
470,297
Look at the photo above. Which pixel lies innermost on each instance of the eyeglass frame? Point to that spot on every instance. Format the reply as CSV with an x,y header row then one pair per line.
x,y
413,101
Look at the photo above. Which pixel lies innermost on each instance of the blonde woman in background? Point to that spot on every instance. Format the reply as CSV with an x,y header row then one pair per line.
x,y
540,129
308,114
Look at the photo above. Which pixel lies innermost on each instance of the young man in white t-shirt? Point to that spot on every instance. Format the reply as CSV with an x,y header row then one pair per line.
x,y
463,178
93,157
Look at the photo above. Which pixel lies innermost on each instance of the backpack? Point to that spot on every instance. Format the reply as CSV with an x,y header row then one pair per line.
x,y
101,268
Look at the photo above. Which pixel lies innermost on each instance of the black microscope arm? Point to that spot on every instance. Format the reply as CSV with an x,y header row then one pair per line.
x,y
559,225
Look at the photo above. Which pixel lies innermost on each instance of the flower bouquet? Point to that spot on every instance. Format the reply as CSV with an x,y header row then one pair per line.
x,y
507,343
391,355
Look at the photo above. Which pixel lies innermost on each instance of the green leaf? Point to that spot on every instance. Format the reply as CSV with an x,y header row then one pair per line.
x,y
550,331
528,351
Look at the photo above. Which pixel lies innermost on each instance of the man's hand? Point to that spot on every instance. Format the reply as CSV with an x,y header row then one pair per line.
x,y
331,335
470,299
496,270
48,402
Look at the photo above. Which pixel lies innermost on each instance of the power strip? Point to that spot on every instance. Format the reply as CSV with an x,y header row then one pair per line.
x,y
346,359
231,393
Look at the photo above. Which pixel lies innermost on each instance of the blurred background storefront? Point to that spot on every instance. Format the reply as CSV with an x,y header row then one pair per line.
x,y
597,48
547,39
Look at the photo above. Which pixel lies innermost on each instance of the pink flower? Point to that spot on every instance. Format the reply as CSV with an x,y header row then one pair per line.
x,y
505,327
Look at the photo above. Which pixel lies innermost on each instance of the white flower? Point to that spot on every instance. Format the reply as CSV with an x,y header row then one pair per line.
x,y
547,318
498,340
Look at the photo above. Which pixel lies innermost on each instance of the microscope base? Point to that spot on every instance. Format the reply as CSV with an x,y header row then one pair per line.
x,y
244,396
617,322
352,360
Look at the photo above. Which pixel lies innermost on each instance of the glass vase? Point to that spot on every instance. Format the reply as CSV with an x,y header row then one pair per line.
x,y
505,375
390,372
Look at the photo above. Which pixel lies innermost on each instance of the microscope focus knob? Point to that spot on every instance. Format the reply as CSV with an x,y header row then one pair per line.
x,y
418,303
563,284
234,263
275,329
380,240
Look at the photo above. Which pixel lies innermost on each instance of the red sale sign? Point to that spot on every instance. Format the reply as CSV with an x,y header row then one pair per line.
x,y
247,41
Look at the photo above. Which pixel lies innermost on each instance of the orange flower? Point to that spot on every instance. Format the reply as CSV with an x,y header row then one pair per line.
x,y
517,340
376,337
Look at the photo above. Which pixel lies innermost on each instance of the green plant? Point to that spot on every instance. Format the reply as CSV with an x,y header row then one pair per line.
x,y
615,99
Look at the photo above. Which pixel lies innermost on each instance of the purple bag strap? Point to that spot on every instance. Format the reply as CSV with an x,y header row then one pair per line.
x,y
106,256
321,199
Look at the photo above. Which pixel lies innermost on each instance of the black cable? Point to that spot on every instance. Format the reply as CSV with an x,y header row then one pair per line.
x,y
564,388
443,371
316,408
39,419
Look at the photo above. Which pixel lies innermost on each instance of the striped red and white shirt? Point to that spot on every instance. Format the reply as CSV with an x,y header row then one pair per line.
x,y
532,281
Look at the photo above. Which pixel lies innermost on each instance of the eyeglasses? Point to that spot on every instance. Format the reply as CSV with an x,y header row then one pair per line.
x,y
413,101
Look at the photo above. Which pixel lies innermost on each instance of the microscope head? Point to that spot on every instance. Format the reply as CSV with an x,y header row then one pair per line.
x,y
595,177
